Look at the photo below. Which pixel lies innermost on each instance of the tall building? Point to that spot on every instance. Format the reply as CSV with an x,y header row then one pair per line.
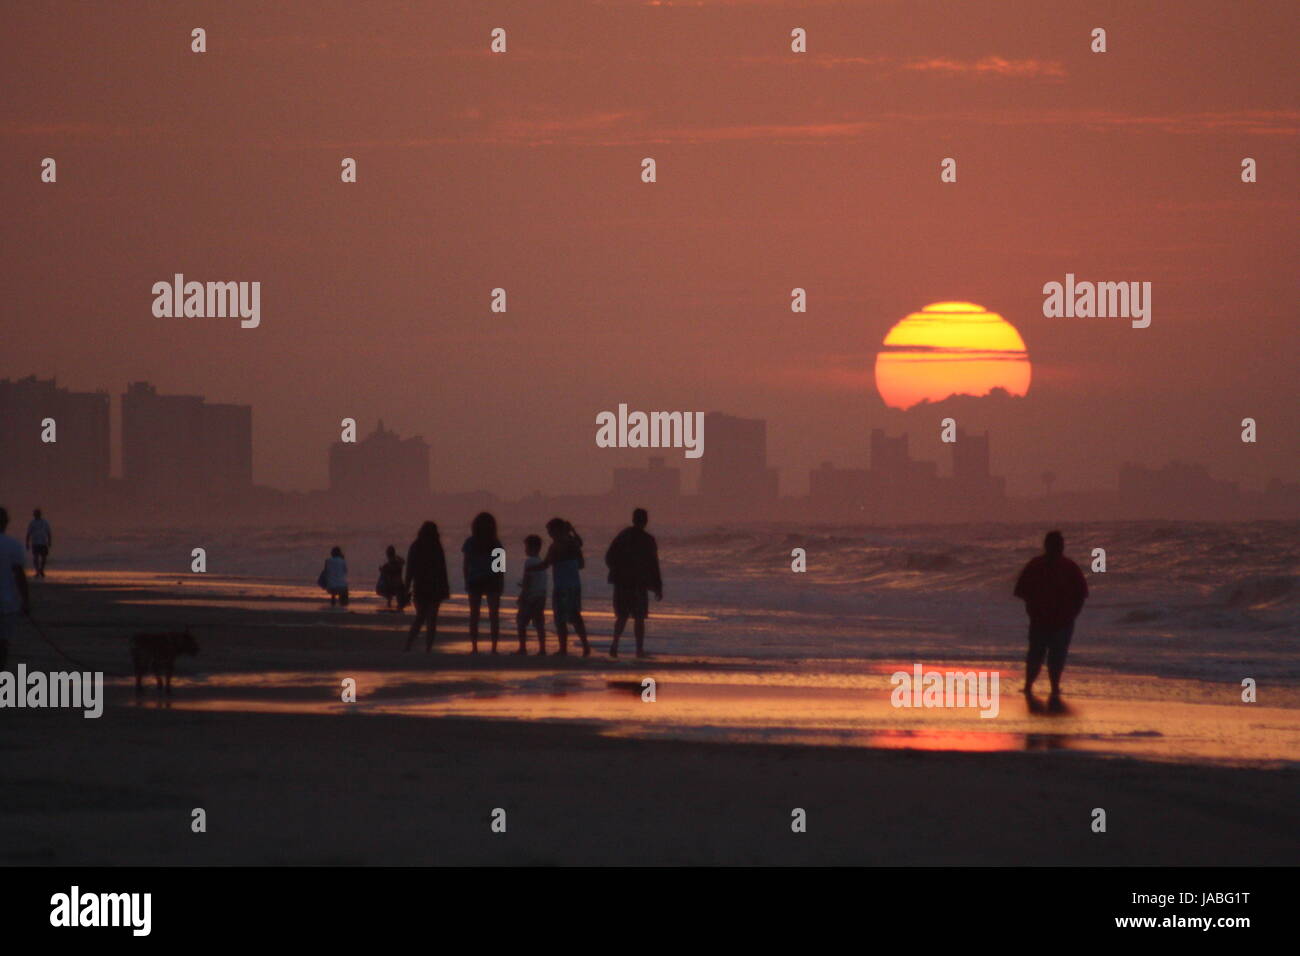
x,y
75,463
179,445
970,470
970,457
651,486
380,466
734,465
889,456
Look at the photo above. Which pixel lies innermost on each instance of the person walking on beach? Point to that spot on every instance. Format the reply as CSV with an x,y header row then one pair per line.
x,y
565,556
390,581
532,596
633,561
334,577
1053,589
39,539
482,551
426,580
13,586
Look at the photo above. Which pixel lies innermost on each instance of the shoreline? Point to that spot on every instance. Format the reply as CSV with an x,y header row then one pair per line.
x,y
394,788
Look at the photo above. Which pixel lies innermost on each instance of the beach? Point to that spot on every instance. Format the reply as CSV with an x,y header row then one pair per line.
x,y
588,771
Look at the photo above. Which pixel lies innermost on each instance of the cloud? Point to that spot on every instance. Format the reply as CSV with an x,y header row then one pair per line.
x,y
988,66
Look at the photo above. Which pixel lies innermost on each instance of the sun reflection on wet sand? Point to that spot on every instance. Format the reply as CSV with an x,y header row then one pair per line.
x,y
783,707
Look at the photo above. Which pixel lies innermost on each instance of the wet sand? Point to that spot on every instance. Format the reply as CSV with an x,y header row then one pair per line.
x,y
288,774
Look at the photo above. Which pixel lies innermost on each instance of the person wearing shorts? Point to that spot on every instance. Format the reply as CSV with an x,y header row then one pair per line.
x,y
1053,589
565,556
633,562
39,539
532,597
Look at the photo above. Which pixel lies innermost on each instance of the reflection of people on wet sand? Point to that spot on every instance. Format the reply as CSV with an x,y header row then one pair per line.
x,y
1053,589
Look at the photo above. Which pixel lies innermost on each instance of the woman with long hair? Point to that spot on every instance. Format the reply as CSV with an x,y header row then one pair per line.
x,y
426,579
483,554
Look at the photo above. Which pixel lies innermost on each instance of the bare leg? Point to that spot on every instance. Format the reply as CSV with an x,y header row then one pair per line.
x,y
418,623
620,622
475,609
433,625
1033,663
494,618
581,628
638,629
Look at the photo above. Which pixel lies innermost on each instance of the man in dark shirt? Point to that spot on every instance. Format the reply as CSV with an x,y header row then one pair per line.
x,y
1053,589
633,560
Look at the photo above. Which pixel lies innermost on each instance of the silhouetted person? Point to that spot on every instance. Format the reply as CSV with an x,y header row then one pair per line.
x,y
426,579
13,586
390,581
565,557
334,577
633,561
481,581
39,539
1053,589
532,596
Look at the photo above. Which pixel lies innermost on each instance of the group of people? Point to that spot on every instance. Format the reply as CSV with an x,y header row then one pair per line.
x,y
1051,585
632,559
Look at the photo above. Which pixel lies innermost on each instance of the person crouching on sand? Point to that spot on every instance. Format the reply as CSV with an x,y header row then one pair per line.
x,y
390,581
334,578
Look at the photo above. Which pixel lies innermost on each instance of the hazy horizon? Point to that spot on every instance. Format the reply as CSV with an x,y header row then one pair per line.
x,y
775,171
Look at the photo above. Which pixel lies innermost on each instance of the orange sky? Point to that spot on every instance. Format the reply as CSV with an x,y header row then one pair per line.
x,y
775,171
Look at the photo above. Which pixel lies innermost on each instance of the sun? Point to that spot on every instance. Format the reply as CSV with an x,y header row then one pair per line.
x,y
950,348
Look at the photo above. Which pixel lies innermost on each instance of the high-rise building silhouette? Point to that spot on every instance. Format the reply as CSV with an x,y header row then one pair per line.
x,y
75,463
970,470
380,467
180,445
654,485
734,468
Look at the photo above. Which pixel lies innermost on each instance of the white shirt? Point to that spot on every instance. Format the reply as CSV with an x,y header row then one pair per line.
x,y
336,574
39,533
12,554
536,582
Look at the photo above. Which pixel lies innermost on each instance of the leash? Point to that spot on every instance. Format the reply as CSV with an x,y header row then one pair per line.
x,y
72,660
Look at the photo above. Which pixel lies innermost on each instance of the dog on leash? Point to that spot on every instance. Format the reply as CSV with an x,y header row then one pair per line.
x,y
158,653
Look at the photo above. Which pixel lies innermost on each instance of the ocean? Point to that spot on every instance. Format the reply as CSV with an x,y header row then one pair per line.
x,y
1198,601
